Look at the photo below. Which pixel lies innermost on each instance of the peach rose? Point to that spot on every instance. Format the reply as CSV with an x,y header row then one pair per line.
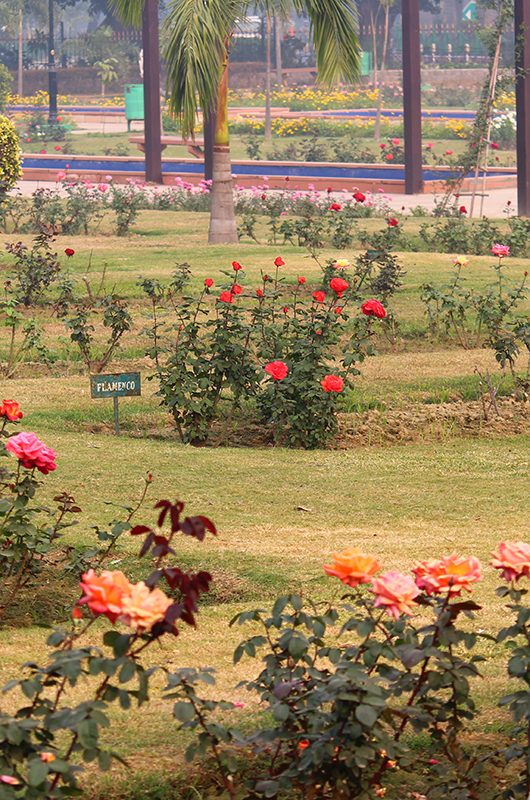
x,y
395,593
143,608
352,567
448,574
513,558
105,593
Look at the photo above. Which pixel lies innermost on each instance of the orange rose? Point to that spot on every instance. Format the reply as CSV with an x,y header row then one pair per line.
x,y
10,409
352,567
104,593
448,574
143,608
395,593
513,558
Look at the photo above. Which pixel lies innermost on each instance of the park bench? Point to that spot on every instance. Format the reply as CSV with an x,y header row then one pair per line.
x,y
194,146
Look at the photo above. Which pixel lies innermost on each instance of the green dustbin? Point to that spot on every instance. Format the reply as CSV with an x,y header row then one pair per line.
x,y
134,103
366,63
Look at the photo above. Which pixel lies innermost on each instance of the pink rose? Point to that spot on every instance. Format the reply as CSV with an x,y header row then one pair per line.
x,y
395,593
500,250
31,452
513,558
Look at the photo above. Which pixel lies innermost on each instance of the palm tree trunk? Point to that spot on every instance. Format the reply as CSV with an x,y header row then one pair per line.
x,y
268,119
278,43
223,228
380,85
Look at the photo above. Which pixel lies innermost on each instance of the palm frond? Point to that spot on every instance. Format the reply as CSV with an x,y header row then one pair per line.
x,y
198,33
129,11
334,29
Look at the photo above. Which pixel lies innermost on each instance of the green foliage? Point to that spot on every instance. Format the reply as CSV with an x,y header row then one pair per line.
x,y
9,156
5,87
36,269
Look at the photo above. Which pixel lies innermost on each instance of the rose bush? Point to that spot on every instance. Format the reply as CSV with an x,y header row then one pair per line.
x,y
45,742
285,350
344,685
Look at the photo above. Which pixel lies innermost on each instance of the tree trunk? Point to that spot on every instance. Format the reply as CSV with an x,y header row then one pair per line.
x,y
377,124
223,228
278,43
381,73
20,67
268,119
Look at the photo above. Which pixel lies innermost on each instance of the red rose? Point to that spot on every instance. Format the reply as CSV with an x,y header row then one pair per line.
x,y
59,119
236,266
226,297
382,145
329,189
58,148
335,207
259,292
279,262
237,289
69,252
267,278
43,152
285,309
10,409
462,210
494,145
301,280
359,197
319,297
389,157
448,153
373,308
332,383
339,286
208,282
28,140
263,196
278,370
338,310
392,223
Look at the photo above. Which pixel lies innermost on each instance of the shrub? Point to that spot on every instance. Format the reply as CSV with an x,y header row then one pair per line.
x,y
47,739
285,351
5,87
9,156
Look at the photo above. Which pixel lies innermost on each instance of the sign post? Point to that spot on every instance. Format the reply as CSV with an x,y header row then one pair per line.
x,y
123,384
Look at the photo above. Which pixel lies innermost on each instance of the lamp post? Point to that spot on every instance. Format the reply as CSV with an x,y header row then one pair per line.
x,y
52,72
410,16
522,99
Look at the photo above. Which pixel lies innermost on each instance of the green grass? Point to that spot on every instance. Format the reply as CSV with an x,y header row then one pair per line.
x,y
279,513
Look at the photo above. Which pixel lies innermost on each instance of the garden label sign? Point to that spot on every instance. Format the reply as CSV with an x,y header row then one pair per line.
x,y
123,384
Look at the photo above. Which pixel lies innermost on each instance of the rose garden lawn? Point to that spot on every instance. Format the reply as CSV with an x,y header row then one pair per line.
x,y
279,513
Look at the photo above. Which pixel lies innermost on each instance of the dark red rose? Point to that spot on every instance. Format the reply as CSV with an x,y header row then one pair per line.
x,y
392,222
278,370
339,286
69,252
359,197
373,308
335,207
332,383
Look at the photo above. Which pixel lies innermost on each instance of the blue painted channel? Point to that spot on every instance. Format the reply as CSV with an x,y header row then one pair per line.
x,y
258,169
